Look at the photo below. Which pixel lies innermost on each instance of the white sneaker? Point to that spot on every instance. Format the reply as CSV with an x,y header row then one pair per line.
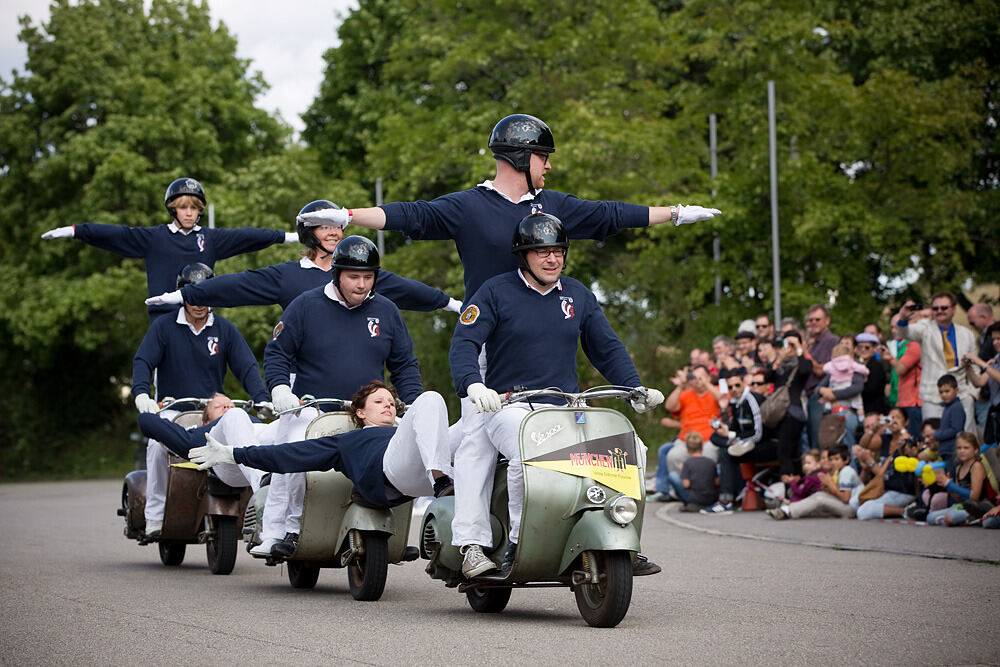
x,y
475,561
264,548
153,528
740,447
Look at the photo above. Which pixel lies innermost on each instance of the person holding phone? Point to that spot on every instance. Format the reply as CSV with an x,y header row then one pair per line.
x,y
792,366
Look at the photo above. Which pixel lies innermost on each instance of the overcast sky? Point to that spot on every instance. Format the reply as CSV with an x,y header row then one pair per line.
x,y
284,40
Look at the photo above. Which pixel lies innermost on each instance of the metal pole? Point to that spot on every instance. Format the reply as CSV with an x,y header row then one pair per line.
x,y
211,216
772,140
713,170
379,235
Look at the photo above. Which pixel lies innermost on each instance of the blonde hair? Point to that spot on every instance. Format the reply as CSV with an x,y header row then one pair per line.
x,y
693,441
840,349
187,200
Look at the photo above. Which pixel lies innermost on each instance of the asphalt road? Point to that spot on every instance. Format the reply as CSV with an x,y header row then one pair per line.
x,y
75,591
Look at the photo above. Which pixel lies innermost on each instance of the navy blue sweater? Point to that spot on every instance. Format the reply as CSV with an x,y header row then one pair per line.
x,y
952,422
482,221
357,454
531,339
173,436
167,252
280,283
335,351
190,365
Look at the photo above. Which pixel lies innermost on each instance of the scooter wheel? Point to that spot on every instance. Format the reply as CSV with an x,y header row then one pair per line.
x,y
221,549
488,600
172,553
604,604
302,575
366,574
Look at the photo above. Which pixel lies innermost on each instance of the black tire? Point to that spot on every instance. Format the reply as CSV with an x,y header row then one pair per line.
x,y
488,600
172,553
221,549
366,573
605,604
302,575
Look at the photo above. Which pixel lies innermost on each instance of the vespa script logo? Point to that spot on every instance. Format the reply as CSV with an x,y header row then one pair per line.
x,y
213,345
538,437
373,328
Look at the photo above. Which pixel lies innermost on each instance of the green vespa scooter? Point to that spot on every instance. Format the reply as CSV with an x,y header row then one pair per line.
x,y
338,529
582,515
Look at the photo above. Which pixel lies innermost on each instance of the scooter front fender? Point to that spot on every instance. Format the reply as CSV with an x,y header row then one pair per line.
x,y
594,531
365,519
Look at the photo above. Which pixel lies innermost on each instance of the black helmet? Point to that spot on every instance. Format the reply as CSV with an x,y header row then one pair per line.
x,y
179,188
306,237
538,230
516,137
355,253
192,274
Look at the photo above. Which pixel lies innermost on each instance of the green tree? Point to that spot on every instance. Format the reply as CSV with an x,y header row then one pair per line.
x,y
114,103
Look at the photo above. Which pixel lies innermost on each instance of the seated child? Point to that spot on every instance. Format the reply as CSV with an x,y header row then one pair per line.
x,y
697,484
967,484
803,487
839,483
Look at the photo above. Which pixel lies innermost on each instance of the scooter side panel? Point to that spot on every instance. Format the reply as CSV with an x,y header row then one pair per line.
x,y
553,494
135,483
593,531
327,495
185,506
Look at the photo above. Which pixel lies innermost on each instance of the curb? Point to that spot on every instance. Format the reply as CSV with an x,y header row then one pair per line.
x,y
664,515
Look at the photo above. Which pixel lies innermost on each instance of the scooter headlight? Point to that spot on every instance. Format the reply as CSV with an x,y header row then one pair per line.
x,y
596,495
622,510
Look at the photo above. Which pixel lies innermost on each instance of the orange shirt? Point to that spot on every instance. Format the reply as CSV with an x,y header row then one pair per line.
x,y
695,413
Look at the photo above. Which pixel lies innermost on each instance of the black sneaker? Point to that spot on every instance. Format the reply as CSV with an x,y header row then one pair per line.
x,y
443,486
286,547
508,558
643,566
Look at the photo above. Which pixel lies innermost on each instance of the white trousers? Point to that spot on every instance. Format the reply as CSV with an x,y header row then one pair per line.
x,y
236,429
421,444
157,470
283,507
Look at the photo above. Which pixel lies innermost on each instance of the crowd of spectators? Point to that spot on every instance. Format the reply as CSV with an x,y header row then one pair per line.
x,y
872,424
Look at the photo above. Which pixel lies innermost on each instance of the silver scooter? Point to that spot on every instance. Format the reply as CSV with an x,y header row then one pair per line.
x,y
339,529
582,516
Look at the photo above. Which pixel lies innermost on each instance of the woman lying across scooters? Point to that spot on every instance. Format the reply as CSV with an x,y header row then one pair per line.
x,y
389,465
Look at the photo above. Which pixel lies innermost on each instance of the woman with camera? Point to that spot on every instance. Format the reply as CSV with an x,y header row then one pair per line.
x,y
791,366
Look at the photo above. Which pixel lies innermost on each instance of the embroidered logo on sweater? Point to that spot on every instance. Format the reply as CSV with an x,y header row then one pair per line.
x,y
470,314
566,303
278,328
213,345
373,328
200,239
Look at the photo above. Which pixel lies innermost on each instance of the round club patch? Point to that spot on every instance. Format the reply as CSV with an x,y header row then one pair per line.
x,y
470,314
278,328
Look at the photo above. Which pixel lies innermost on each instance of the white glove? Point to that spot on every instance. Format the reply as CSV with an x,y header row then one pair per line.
x,y
486,399
283,398
332,217
291,237
688,214
166,299
60,233
454,306
212,454
265,409
646,399
143,403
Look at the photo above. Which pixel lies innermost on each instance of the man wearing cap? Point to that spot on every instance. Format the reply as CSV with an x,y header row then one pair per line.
x,y
873,394
746,353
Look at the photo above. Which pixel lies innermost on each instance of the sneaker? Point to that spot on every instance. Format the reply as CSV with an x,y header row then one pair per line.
x,y
740,448
153,528
719,508
643,567
443,486
508,558
264,548
475,562
777,513
663,497
286,547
